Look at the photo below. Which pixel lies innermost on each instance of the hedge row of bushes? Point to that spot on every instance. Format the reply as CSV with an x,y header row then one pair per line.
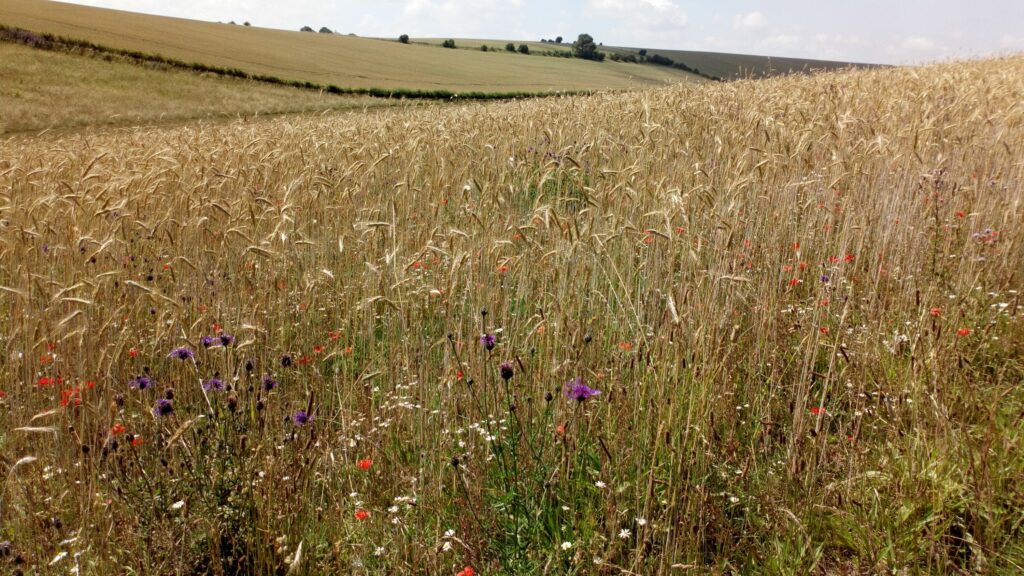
x,y
62,44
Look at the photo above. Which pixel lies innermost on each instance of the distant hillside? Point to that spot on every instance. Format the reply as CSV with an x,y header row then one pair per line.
x,y
717,64
344,61
40,90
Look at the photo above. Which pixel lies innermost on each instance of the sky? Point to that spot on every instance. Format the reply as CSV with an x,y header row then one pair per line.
x,y
876,31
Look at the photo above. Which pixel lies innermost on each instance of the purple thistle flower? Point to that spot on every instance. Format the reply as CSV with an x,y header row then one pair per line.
x,y
507,371
183,353
488,341
577,390
301,418
214,384
824,278
163,407
269,383
226,340
141,383
206,341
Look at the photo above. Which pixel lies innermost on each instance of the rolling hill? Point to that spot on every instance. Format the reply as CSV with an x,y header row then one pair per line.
x,y
343,61
41,89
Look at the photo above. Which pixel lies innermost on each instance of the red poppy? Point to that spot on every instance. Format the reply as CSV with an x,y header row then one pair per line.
x,y
362,514
132,352
963,332
334,335
459,374
167,266
45,359
3,394
936,311
816,410
848,258
794,281
803,265
318,349
625,346
960,214
833,259
823,330
137,441
364,464
502,269
467,571
118,429
46,381
796,245
560,429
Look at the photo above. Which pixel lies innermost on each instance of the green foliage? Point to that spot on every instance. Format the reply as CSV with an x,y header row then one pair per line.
x,y
404,38
585,48
510,47
524,49
448,43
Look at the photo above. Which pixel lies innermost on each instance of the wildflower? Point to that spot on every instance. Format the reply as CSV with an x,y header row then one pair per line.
x,y
118,429
3,394
362,514
824,278
318,349
507,371
600,484
286,361
848,258
141,383
207,341
823,330
334,335
133,352
488,341
566,545
137,440
214,384
577,390
459,374
269,383
364,464
963,332
625,533
163,407
301,418
935,312
226,340
182,353
467,571
816,410
560,429
794,281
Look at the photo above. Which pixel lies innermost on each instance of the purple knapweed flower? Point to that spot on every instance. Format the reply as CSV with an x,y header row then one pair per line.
x,y
488,341
207,341
507,371
301,418
141,383
824,278
269,383
226,340
286,361
214,384
182,353
163,407
577,390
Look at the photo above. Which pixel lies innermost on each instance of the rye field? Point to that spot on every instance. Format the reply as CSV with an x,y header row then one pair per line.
x,y
762,327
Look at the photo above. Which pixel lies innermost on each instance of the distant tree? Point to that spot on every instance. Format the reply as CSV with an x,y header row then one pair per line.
x,y
585,48
306,29
524,49
233,23
558,40
510,47
325,30
643,52
483,48
404,38
246,23
449,43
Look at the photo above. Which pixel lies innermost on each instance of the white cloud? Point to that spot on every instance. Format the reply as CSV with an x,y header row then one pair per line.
x,y
784,40
917,44
642,22
751,22
1008,42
